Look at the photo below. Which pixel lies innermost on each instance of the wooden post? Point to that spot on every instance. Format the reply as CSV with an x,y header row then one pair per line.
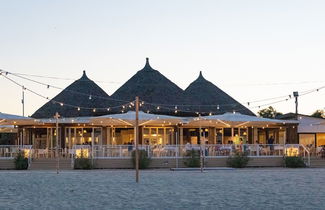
x,y
136,139
56,116
201,151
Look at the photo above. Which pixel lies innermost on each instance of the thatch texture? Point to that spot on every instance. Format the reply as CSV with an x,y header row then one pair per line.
x,y
209,98
151,86
78,94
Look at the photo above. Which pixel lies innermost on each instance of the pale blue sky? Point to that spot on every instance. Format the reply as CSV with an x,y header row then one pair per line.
x,y
250,49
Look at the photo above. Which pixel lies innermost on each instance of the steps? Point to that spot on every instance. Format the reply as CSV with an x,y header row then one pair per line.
x,y
316,162
50,164
7,164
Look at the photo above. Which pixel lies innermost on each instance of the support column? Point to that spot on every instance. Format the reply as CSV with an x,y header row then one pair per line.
x,y
255,135
108,136
232,134
181,136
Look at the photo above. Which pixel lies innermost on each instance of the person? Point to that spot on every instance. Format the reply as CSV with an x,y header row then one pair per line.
x,y
323,151
130,145
187,146
270,142
241,142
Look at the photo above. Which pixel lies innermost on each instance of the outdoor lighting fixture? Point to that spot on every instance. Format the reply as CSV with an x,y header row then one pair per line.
x,y
78,108
158,107
210,113
61,104
94,110
218,107
90,97
108,109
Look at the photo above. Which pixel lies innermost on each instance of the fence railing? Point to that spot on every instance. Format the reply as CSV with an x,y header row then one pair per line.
x,y
158,151
172,151
11,151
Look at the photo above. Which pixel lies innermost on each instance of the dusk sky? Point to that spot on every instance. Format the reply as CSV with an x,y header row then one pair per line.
x,y
250,49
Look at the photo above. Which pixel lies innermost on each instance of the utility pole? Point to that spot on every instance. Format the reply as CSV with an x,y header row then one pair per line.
x,y
23,101
296,94
56,116
136,139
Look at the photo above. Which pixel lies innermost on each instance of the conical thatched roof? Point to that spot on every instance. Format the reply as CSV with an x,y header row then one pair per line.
x,y
81,93
151,86
210,98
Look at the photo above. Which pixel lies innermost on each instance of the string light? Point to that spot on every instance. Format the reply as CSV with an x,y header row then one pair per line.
x,y
176,106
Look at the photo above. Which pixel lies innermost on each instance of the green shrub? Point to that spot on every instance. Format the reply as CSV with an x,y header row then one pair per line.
x,y
21,162
294,162
192,158
239,160
82,163
144,160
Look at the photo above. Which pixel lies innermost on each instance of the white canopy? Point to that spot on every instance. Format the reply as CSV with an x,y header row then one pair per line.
x,y
81,120
144,119
236,120
10,119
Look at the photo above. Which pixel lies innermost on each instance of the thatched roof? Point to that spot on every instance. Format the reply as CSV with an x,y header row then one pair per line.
x,y
81,93
209,97
151,86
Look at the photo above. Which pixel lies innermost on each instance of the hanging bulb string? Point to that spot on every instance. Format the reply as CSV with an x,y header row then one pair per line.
x,y
164,106
192,105
58,78
183,105
65,104
63,89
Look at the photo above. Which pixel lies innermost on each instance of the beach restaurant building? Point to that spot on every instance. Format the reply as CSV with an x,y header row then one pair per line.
x,y
200,114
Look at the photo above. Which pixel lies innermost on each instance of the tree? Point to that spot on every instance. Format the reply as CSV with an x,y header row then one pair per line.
x,y
269,112
318,113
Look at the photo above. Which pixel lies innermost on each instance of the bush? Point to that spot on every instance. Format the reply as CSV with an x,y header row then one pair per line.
x,y
192,158
144,160
239,160
21,162
82,163
294,162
